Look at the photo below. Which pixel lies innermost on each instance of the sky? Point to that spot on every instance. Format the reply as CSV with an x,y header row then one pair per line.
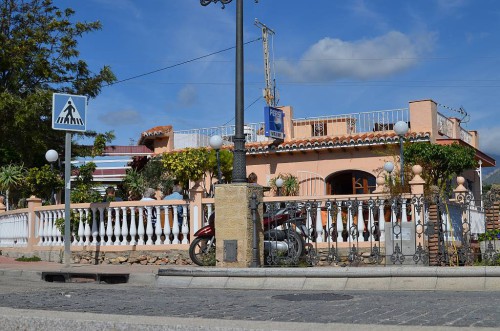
x,y
329,57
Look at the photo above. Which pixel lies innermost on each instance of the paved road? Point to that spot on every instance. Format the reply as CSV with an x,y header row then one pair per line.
x,y
380,308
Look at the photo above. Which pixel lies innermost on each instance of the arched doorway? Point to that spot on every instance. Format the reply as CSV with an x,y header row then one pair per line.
x,y
350,182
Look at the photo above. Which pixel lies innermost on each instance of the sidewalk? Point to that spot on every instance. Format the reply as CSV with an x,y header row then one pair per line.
x,y
313,278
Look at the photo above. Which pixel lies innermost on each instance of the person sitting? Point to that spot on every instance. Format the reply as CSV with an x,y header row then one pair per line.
x,y
111,195
177,195
149,194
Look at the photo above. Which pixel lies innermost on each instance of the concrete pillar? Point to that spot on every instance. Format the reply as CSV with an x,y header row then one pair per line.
x,y
423,117
234,226
287,122
196,208
381,187
33,202
460,190
417,183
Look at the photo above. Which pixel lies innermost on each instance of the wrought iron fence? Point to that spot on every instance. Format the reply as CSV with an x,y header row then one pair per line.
x,y
404,230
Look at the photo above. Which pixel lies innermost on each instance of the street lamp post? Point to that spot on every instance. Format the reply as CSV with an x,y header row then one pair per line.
x,y
239,161
51,156
389,167
401,129
216,143
279,184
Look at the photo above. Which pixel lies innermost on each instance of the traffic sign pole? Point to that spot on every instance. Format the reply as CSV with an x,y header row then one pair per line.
x,y
67,187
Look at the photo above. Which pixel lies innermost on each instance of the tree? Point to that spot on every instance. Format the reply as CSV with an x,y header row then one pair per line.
x,y
84,186
38,57
11,176
195,164
440,163
43,181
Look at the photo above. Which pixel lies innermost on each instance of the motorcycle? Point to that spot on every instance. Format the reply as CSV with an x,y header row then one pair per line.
x,y
284,235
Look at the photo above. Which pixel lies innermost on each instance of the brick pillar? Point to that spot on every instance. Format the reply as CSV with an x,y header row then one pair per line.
x,y
234,226
33,202
433,239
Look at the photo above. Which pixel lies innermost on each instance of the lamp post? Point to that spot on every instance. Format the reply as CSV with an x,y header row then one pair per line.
x,y
51,156
239,161
401,129
216,143
279,184
389,167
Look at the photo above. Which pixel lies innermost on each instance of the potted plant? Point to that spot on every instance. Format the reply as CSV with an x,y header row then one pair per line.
x,y
489,237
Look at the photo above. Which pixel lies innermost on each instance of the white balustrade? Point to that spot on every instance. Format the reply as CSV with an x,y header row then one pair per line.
x,y
339,223
109,227
140,230
81,228
102,228
175,225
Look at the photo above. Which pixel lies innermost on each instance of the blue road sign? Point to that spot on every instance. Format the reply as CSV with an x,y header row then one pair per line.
x,y
69,112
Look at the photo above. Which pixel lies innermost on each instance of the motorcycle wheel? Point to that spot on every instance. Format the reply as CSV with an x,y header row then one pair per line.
x,y
201,253
296,244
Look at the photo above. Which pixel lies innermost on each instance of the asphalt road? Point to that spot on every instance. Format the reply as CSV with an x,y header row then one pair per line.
x,y
378,308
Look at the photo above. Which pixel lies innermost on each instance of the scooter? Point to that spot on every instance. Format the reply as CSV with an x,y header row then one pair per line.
x,y
283,236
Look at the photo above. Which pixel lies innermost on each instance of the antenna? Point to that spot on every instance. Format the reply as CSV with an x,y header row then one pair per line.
x,y
270,89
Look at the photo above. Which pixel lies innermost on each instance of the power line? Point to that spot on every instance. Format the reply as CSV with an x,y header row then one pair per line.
x,y
250,105
179,64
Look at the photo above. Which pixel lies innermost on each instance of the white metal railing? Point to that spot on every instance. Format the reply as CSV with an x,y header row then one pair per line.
x,y
254,132
354,123
465,136
14,228
445,125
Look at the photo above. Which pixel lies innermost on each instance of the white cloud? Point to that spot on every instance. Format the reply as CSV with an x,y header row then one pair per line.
x,y
121,117
187,96
333,59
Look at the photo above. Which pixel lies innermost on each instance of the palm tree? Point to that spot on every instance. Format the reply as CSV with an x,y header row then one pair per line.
x,y
11,176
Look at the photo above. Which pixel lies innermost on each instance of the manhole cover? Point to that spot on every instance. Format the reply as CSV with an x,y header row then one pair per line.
x,y
313,297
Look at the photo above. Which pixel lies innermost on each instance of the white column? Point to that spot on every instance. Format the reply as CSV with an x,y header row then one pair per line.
x,y
140,230
185,226
166,226
175,226
41,229
361,221
133,227
109,227
95,231
124,227
87,231
158,226
319,224
149,227
117,230
339,224
56,233
102,228
81,228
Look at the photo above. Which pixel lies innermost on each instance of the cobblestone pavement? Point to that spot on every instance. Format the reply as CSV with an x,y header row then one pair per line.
x,y
419,308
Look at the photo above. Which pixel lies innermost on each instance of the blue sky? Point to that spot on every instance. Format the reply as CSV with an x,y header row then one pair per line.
x,y
331,57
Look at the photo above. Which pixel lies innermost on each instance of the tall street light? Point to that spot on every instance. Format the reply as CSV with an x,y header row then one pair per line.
x,y
239,161
51,156
216,143
401,129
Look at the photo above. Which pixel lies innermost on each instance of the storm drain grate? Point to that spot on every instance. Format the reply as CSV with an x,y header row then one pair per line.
x,y
313,297
70,277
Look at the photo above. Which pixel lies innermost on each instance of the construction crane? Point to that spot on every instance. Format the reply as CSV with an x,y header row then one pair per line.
x,y
270,93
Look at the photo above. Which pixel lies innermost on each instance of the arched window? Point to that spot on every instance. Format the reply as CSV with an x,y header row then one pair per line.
x,y
350,182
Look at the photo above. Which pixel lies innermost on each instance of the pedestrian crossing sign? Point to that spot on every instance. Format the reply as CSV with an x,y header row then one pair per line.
x,y
69,112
